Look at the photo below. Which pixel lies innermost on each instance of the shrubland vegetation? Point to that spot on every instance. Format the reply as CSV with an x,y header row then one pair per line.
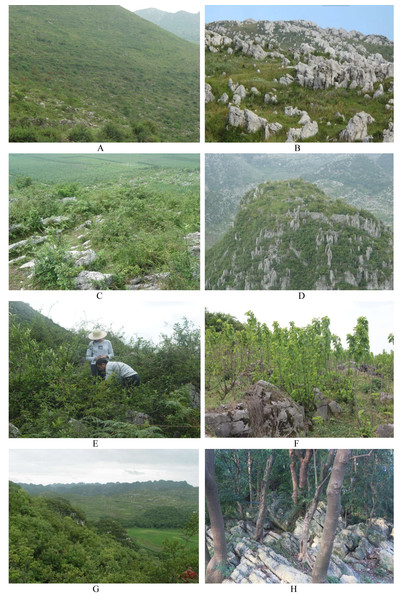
x,y
54,541
299,360
52,393
133,212
281,497
99,73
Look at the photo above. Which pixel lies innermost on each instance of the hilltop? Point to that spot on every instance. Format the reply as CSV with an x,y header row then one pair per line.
x,y
290,235
293,81
99,73
184,24
362,180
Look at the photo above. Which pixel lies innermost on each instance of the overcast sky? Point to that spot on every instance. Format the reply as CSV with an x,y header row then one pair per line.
x,y
172,7
378,19
103,466
284,307
131,312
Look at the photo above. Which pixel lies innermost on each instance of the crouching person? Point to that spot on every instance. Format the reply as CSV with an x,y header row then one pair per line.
x,y
124,373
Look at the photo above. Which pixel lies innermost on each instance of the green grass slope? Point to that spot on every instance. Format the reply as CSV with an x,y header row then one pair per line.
x,y
83,73
184,24
290,235
133,211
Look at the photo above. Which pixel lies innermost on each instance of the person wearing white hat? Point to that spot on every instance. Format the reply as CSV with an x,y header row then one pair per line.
x,y
99,347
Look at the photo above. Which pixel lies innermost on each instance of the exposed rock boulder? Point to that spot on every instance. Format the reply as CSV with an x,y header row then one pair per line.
x,y
149,282
13,431
266,412
356,129
209,97
136,418
92,280
384,431
83,258
309,129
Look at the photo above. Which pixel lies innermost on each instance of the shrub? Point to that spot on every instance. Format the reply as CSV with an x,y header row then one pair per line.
x,y
80,134
112,133
54,268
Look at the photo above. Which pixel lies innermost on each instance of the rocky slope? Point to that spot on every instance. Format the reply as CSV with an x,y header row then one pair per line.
x,y
336,68
361,553
290,235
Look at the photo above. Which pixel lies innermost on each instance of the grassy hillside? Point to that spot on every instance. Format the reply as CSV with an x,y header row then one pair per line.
x,y
129,215
53,541
185,25
154,504
99,73
52,393
290,235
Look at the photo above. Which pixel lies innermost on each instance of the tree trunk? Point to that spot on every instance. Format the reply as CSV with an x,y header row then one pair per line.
x,y
293,471
331,518
214,572
304,463
259,528
250,485
313,507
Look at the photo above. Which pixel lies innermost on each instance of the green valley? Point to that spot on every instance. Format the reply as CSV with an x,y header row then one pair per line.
x,y
99,73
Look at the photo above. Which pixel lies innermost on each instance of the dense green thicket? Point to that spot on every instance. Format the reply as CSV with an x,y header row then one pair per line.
x,y
52,393
299,360
99,73
52,542
135,219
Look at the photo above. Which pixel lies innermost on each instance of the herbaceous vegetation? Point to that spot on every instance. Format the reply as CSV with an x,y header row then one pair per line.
x,y
124,217
52,392
299,516
99,73
309,364
61,534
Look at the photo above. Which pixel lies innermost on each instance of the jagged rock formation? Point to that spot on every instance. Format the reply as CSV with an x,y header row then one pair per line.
x,y
290,235
266,411
303,54
358,550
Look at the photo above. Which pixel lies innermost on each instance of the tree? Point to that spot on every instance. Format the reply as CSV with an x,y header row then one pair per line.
x,y
259,528
331,518
215,568
313,506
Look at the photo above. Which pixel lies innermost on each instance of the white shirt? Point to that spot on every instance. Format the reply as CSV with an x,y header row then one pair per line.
x,y
121,369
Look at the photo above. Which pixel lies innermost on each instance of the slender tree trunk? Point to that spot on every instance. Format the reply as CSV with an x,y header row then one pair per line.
x,y
304,463
215,567
293,472
331,518
313,507
250,484
259,528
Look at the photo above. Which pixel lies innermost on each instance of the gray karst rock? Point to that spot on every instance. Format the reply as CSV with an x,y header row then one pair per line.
x,y
69,199
235,117
209,97
309,129
384,431
13,431
92,280
388,134
33,240
224,99
356,129
149,282
193,241
136,418
83,258
268,412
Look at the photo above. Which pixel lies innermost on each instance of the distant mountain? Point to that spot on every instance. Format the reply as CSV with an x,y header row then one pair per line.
x,y
184,24
362,180
290,235
139,504
99,73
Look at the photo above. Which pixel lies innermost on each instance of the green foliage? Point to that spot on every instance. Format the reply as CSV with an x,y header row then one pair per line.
x,y
136,217
53,395
68,83
51,541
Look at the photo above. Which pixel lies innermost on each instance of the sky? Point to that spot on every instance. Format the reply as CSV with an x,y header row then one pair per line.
x,y
343,313
102,466
191,6
364,18
130,313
